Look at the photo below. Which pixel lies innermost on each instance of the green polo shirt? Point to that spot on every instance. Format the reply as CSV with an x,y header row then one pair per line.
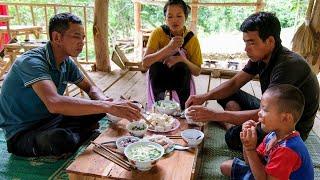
x,y
20,106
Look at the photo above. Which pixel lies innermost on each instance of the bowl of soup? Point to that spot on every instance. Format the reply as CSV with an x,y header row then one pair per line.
x,y
167,107
144,154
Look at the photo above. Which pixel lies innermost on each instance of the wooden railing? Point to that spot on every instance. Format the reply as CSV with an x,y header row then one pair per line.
x,y
40,14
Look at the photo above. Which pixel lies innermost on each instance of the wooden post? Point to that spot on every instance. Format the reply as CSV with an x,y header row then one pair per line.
x,y
100,35
194,16
138,47
259,6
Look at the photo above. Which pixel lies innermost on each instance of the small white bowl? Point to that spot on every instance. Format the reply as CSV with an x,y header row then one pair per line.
x,y
124,141
137,128
113,119
192,136
189,119
167,107
142,148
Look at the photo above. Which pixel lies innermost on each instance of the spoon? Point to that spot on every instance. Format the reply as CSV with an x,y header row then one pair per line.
x,y
180,147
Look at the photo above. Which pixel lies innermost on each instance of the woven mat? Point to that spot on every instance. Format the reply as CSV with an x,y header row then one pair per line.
x,y
14,167
215,151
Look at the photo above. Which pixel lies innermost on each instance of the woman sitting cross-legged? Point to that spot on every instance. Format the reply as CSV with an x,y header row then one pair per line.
x,y
173,54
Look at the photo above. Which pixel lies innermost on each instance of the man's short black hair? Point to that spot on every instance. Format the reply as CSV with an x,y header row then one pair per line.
x,y
60,22
181,3
289,99
266,23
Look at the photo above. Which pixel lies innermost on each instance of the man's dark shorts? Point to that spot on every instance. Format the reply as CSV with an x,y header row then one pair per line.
x,y
246,102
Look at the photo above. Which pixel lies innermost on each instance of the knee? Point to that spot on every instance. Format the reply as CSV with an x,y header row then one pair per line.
x,y
232,106
225,167
57,142
182,68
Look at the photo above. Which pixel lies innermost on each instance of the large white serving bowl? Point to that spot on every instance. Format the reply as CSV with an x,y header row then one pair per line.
x,y
167,107
192,136
138,154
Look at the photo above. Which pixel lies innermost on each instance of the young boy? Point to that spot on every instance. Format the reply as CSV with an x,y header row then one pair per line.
x,y
282,154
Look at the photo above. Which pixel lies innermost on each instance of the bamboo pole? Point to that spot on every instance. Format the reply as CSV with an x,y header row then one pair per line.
x,y
259,6
47,24
138,47
194,17
85,30
32,15
100,33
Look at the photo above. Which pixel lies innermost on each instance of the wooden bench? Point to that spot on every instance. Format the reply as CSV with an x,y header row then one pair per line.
x,y
177,165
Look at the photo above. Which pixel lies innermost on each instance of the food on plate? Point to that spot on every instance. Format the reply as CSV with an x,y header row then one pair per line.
x,y
161,122
162,140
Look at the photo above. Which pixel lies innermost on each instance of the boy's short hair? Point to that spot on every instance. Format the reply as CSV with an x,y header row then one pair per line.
x,y
266,23
289,99
60,22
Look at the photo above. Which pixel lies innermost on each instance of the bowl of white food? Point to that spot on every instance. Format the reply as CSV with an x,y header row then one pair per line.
x,y
144,155
167,107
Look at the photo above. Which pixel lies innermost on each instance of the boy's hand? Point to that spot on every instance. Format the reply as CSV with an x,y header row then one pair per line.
x,y
249,124
249,138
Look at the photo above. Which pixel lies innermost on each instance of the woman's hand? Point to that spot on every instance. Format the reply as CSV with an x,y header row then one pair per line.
x,y
175,43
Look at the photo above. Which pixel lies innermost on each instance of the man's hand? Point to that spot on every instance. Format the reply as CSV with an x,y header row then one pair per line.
x,y
249,139
200,113
195,100
125,109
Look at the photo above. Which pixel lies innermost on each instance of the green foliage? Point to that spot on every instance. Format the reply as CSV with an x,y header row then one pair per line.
x,y
121,16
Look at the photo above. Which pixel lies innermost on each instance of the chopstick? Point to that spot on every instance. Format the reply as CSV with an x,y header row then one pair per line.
x,y
174,136
97,150
113,156
148,122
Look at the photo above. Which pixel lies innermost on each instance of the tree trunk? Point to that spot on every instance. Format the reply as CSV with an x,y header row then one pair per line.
x,y
100,34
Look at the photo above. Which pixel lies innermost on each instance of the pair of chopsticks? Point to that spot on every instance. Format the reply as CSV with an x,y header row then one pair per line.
x,y
111,156
174,136
147,121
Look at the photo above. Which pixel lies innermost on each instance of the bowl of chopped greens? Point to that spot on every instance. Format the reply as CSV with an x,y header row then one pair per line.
x,y
137,128
144,154
167,107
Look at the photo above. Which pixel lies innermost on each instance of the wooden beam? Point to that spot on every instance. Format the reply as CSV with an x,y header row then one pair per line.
x,y
260,5
100,35
138,48
162,2
194,17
